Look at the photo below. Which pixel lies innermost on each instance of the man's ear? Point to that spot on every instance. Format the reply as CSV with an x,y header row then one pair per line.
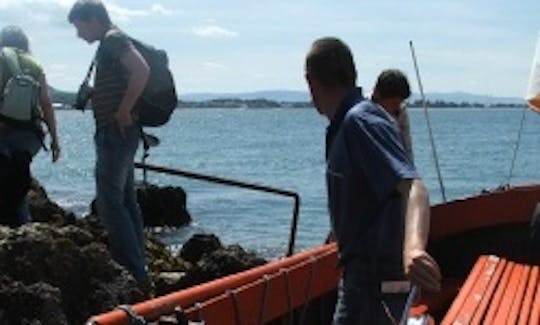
x,y
309,78
313,84
375,95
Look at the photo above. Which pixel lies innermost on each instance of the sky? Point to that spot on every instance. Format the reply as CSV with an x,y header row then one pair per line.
x,y
478,46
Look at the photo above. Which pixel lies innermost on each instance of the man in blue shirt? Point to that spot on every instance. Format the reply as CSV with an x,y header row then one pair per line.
x,y
379,206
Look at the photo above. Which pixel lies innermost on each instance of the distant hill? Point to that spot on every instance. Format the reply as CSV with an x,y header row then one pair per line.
x,y
303,96
64,97
274,95
463,97
296,96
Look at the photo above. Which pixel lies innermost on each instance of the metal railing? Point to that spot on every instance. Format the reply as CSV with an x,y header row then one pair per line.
x,y
231,182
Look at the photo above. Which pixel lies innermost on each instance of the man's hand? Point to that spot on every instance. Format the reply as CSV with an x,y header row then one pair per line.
x,y
422,270
330,238
55,151
123,120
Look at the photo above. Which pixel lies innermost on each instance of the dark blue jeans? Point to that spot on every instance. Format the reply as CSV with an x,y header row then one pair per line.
x,y
116,199
11,140
360,300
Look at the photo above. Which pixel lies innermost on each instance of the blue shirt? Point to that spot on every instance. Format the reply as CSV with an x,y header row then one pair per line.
x,y
365,162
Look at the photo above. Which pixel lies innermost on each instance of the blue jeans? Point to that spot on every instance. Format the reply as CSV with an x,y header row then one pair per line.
x,y
360,300
116,199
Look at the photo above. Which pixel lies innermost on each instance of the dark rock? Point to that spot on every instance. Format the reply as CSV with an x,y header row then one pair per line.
x,y
64,271
73,268
229,260
199,245
44,299
161,259
160,206
163,206
43,209
216,263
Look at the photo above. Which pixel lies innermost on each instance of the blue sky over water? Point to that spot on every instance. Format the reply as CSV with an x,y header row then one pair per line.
x,y
484,47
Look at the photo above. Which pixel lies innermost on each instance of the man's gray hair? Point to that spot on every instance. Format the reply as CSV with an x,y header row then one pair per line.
x,y
14,36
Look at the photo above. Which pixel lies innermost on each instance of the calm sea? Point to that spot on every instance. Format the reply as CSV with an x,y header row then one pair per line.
x,y
283,148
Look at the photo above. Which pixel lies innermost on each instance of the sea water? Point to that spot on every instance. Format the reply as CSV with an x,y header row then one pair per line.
x,y
284,148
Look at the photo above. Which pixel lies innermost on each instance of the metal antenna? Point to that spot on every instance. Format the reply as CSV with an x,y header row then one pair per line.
x,y
424,105
516,146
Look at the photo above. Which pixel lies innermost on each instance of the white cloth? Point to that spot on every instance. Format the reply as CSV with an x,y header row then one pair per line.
x,y
533,89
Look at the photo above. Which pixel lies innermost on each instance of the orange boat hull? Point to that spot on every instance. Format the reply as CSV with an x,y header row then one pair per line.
x,y
298,287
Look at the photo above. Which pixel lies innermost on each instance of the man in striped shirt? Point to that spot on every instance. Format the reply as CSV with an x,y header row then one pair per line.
x,y
121,75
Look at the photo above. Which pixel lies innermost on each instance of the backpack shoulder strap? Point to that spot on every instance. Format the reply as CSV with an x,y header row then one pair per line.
x,y
12,60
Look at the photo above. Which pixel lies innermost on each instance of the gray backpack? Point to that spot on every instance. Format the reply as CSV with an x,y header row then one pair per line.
x,y
20,94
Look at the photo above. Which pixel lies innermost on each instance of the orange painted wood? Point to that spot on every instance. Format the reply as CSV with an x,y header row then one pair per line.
x,y
497,291
498,294
165,305
519,296
496,208
307,280
486,299
535,311
470,302
508,296
459,302
528,297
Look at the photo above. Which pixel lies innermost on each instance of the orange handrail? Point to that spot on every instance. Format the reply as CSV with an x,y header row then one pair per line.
x,y
164,305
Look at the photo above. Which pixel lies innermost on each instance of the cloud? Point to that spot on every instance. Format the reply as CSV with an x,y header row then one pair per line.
x,y
160,9
16,4
211,30
214,66
48,10
124,14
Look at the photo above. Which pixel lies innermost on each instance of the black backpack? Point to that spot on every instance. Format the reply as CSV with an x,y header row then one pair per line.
x,y
158,99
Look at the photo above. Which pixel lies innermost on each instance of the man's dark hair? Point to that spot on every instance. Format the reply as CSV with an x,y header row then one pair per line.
x,y
330,61
85,10
392,83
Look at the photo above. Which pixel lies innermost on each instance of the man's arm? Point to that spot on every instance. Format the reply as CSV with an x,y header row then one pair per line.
x,y
138,72
405,127
419,266
49,117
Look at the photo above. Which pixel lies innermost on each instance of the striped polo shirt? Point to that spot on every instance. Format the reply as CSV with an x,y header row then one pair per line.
x,y
110,81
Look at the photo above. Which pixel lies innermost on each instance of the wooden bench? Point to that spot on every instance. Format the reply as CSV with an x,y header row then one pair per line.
x,y
497,291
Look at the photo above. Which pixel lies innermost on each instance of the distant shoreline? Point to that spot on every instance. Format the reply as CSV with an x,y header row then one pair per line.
x,y
269,104
265,103
64,100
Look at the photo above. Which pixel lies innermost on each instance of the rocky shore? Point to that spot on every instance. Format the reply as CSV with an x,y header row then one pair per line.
x,y
58,270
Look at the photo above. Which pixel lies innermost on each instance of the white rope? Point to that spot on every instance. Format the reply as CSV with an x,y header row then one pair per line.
x,y
432,141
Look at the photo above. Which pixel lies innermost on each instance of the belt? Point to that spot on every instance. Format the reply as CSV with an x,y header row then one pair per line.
x,y
395,286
